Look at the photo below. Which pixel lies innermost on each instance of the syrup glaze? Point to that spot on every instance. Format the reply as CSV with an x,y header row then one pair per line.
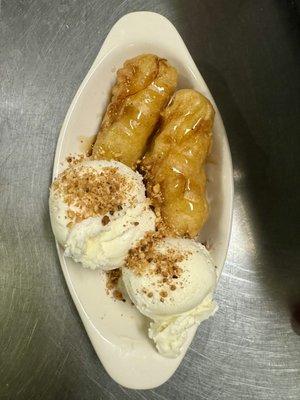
x,y
144,87
176,162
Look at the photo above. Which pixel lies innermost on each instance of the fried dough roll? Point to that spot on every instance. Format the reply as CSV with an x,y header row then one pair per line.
x,y
174,166
144,86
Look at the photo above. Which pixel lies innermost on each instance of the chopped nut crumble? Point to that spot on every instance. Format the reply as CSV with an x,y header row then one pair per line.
x,y
90,193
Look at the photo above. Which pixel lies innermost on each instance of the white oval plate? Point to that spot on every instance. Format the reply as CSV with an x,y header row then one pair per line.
x,y
117,331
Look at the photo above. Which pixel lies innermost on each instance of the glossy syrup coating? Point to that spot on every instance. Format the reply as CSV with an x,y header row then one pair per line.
x,y
174,165
144,86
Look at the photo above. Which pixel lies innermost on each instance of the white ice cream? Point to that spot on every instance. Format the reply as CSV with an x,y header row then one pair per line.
x,y
170,334
184,307
98,245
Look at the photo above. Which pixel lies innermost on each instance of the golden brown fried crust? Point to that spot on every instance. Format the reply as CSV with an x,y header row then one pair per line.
x,y
174,166
143,88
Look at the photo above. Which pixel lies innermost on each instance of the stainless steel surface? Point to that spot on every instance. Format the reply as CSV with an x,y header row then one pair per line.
x,y
247,52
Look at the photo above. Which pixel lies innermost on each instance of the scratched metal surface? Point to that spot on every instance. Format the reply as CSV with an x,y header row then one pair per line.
x,y
247,52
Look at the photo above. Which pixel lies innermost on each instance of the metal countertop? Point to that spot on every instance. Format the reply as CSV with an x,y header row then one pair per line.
x,y
248,53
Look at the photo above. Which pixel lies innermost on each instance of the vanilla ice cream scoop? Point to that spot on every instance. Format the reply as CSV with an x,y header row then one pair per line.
x,y
173,286
98,211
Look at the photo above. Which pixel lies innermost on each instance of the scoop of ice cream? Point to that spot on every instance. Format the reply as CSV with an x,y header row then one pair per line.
x,y
173,287
106,246
98,211
170,334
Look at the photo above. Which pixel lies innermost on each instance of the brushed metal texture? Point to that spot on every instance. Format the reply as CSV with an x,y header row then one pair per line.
x,y
248,54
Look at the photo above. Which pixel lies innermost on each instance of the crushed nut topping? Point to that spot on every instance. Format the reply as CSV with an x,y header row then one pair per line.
x,y
105,220
153,190
118,295
112,278
90,193
144,258
112,282
77,158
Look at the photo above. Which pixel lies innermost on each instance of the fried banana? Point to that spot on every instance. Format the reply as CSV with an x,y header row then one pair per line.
x,y
144,86
174,165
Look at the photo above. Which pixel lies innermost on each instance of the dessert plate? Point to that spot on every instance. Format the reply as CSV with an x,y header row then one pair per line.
x,y
117,330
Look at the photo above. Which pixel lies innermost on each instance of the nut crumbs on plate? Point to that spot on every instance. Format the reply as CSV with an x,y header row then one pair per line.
x,y
112,278
112,281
